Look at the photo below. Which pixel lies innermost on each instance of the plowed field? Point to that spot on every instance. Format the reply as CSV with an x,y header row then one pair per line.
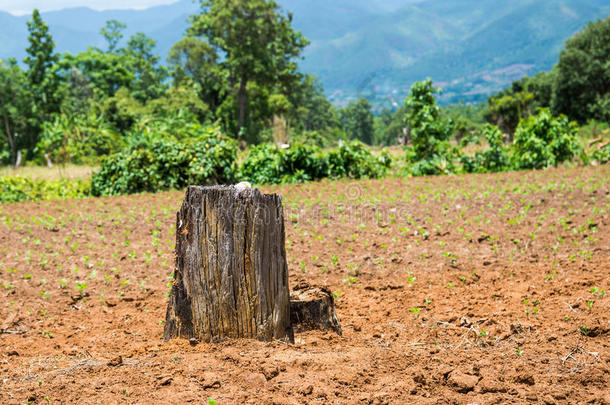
x,y
457,289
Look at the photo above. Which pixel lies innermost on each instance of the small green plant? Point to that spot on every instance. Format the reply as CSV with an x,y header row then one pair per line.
x,y
584,330
350,280
596,291
80,286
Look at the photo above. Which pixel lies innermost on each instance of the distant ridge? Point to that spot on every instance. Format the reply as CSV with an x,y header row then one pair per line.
x,y
370,48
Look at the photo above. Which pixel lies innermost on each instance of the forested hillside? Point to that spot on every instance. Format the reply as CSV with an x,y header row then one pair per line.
x,y
375,49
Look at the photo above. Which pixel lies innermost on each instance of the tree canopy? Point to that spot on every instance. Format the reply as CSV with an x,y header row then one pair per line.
x,y
581,89
258,47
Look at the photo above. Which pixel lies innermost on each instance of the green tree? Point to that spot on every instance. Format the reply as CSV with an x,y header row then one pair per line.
x,y
389,127
431,152
543,140
507,107
358,121
107,72
493,159
149,76
258,45
112,33
194,63
179,99
42,79
78,93
541,86
14,104
314,112
581,89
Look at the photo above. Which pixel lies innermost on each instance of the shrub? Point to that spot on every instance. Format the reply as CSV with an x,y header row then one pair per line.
x,y
16,189
268,164
543,140
167,164
494,159
602,154
430,152
79,140
354,160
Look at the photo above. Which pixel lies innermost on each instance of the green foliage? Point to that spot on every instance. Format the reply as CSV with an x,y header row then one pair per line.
x,y
581,89
543,141
112,33
508,107
77,139
494,159
148,75
431,152
14,109
601,155
16,189
41,62
42,82
194,64
357,121
107,72
179,100
258,44
269,164
388,127
123,110
313,114
354,160
156,164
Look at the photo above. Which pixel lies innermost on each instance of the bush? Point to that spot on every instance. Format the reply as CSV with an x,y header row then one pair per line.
x,y
268,164
601,155
430,152
354,160
543,140
16,189
80,140
167,164
494,159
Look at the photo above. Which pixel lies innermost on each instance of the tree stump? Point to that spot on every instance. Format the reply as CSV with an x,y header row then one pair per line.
x,y
313,308
231,277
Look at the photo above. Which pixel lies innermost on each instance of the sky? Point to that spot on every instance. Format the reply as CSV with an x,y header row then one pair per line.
x,y
20,7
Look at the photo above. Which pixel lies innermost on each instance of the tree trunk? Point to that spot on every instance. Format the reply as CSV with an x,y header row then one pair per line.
x,y
18,161
241,103
231,278
7,129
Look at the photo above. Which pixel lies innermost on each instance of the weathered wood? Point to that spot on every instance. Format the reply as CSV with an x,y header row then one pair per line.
x,y
231,276
313,308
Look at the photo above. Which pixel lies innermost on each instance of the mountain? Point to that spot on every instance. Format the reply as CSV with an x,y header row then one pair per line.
x,y
471,48
370,48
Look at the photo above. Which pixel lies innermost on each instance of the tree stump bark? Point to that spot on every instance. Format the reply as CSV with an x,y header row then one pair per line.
x,y
313,308
231,277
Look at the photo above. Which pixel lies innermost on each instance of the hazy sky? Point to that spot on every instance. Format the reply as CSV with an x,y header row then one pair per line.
x,y
20,7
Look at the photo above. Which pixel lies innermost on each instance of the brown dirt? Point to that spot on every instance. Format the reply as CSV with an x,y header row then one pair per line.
x,y
462,289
